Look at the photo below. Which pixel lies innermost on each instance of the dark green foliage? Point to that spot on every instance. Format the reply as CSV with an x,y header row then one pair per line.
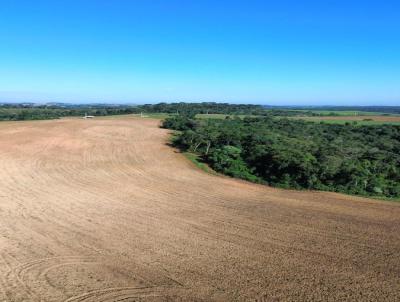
x,y
19,112
298,154
178,122
228,160
191,109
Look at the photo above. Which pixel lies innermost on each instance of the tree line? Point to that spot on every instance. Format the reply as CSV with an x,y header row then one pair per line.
x,y
191,109
18,113
30,111
297,154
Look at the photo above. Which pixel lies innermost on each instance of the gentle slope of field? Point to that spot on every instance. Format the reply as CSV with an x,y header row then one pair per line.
x,y
105,210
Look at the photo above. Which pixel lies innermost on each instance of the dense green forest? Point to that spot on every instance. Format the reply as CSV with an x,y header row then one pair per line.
x,y
16,112
191,109
297,154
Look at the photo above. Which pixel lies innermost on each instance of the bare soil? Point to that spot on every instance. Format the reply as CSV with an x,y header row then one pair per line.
x,y
105,210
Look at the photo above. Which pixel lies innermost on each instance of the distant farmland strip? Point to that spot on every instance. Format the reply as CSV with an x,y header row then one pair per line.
x,y
362,119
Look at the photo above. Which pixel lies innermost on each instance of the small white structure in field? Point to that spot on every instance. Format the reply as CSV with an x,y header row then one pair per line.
x,y
88,116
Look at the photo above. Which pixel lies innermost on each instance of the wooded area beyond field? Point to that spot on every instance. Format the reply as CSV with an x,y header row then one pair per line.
x,y
297,154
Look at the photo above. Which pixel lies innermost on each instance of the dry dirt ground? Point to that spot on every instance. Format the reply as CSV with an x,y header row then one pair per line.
x,y
104,210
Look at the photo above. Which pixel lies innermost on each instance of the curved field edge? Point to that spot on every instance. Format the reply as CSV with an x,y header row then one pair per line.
x,y
199,163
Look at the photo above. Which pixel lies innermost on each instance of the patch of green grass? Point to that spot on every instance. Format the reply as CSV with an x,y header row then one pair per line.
x,y
381,198
339,112
343,122
115,116
313,119
195,159
158,116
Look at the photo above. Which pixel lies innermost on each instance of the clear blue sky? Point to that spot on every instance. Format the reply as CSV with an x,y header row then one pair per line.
x,y
269,52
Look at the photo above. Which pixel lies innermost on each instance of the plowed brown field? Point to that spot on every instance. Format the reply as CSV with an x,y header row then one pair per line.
x,y
104,210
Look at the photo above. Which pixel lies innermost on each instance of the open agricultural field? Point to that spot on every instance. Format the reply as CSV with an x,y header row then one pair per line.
x,y
367,118
106,210
154,115
338,112
360,119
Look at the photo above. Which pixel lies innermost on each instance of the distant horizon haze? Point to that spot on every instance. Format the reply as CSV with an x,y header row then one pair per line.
x,y
131,103
255,52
